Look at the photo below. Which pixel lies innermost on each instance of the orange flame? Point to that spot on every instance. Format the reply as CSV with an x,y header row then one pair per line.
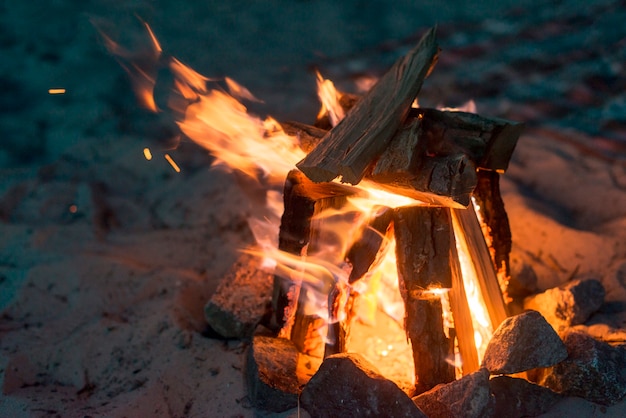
x,y
329,96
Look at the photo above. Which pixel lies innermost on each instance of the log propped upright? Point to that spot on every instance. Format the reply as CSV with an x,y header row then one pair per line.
x,y
424,237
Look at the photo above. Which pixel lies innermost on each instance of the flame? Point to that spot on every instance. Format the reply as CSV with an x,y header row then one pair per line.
x,y
329,97
483,328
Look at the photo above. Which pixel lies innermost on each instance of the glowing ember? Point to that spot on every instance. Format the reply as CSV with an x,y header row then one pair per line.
x,y
56,91
172,163
147,154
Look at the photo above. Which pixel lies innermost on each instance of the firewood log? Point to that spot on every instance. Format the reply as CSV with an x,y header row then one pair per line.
x,y
349,148
498,231
423,241
405,168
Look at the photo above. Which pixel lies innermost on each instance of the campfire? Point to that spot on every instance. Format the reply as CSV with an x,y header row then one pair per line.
x,y
381,232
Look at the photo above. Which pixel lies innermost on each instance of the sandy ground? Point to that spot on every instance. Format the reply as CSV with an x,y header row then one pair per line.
x,y
107,259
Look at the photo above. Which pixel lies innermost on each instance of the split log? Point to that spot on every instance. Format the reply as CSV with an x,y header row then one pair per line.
x,y
302,200
471,241
404,167
407,167
349,148
338,324
423,242
298,234
489,142
497,232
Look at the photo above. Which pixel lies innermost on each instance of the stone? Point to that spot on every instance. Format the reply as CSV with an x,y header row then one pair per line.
x,y
570,304
468,397
347,385
593,370
241,300
271,377
516,398
523,342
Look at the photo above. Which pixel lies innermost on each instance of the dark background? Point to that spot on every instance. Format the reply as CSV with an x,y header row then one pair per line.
x,y
548,63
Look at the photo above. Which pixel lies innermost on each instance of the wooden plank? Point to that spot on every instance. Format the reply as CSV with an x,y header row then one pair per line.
x,y
349,148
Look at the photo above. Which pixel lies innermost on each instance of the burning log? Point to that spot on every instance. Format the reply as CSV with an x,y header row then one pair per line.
x,y
433,158
498,231
303,200
462,316
349,148
423,241
489,142
473,244
362,254
407,167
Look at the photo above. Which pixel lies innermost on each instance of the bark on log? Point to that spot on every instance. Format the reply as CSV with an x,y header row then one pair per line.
x,y
498,231
302,200
489,142
423,242
338,323
349,148
405,169
462,316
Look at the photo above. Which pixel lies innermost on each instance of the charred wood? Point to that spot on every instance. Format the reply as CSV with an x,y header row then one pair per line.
x,y
472,242
302,200
406,169
364,251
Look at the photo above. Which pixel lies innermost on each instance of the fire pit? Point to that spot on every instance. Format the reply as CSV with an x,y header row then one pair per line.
x,y
404,261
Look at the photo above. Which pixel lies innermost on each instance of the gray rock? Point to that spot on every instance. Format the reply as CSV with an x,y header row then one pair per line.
x,y
593,370
523,342
241,300
570,304
271,374
467,397
347,385
516,398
